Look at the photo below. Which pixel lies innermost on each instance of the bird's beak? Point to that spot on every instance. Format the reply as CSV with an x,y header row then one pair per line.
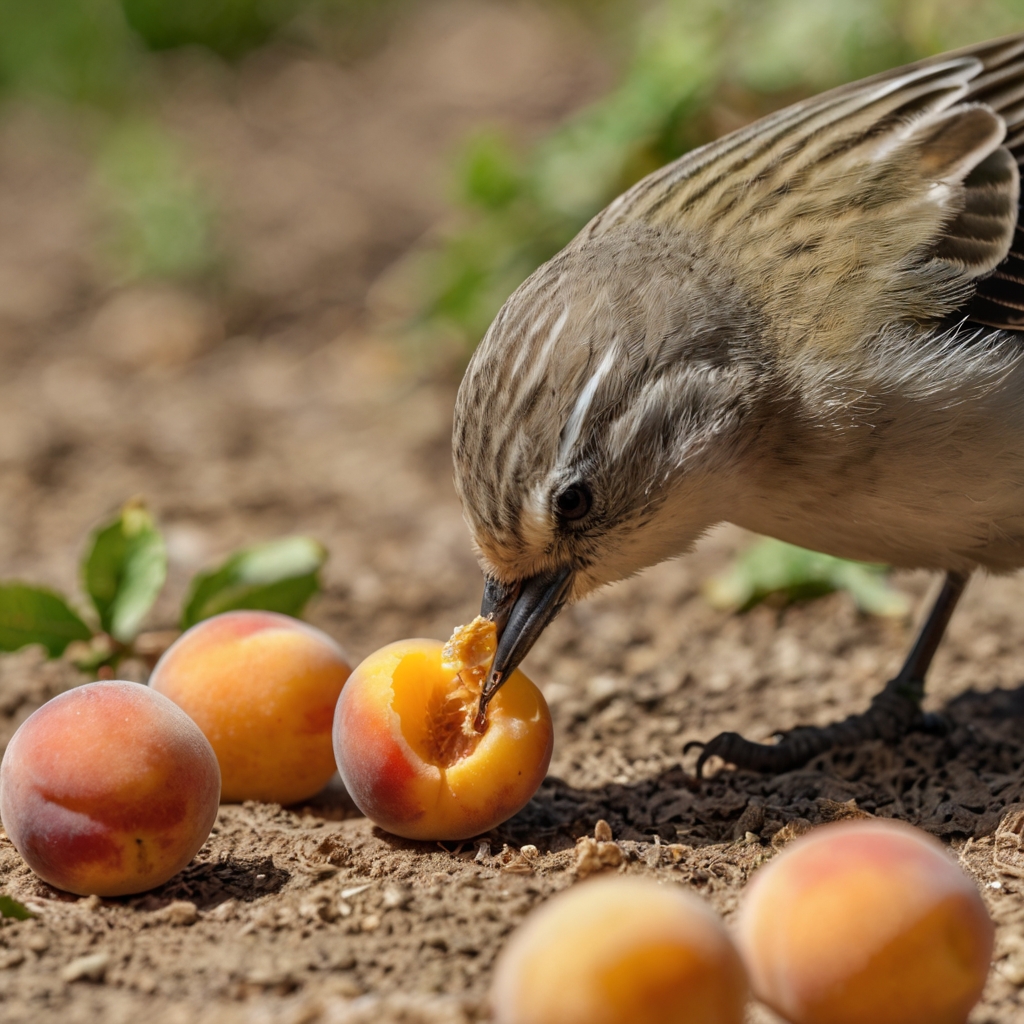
x,y
521,612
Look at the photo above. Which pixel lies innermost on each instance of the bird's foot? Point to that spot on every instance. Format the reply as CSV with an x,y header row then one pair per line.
x,y
893,713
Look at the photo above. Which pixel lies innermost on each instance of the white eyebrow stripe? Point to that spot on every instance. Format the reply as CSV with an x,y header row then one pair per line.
x,y
574,424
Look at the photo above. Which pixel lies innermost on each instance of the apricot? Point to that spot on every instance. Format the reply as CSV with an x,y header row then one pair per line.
x,y
866,922
620,951
262,687
108,789
407,750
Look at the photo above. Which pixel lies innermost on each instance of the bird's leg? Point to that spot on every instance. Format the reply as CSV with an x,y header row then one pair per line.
x,y
893,712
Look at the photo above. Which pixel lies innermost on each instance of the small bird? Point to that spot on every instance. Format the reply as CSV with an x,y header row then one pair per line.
x,y
809,328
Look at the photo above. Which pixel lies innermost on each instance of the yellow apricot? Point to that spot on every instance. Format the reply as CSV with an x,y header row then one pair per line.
x,y
866,922
620,951
262,687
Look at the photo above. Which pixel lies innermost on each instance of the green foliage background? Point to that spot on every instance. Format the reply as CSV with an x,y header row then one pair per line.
x,y
97,56
689,70
692,70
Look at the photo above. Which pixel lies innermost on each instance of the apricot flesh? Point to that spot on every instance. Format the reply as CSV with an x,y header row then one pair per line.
x,y
620,951
866,922
407,750
108,789
262,687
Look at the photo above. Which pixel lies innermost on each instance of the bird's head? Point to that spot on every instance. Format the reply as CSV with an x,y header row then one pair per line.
x,y
598,424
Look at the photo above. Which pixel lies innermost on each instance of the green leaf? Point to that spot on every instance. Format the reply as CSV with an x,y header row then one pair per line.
x,y
32,615
10,907
124,570
280,576
771,569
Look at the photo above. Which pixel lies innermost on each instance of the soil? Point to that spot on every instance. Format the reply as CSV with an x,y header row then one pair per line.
x,y
271,406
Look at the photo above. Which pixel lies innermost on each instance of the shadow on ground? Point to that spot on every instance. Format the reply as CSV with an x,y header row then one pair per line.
x,y
952,785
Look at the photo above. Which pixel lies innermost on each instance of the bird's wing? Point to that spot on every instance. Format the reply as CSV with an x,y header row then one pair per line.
x,y
894,199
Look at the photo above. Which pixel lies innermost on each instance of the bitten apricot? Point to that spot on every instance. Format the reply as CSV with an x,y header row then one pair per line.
x,y
262,687
866,922
108,789
407,750
620,951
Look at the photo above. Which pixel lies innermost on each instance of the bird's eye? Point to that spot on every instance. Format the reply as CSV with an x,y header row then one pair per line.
x,y
574,502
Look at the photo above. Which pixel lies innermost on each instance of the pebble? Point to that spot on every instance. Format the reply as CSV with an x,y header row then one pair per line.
x,y
397,897
593,856
179,914
11,958
92,967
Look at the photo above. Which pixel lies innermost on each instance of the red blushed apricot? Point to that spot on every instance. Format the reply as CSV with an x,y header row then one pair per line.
x,y
866,922
616,950
410,759
262,687
108,789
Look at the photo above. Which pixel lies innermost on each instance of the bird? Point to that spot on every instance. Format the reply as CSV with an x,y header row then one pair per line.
x,y
810,328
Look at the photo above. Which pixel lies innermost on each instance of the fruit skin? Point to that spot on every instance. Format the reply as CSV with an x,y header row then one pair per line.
x,y
620,951
866,922
108,789
262,687
387,769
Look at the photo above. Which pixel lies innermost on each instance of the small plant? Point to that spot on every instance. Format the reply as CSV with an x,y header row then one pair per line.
x,y
123,572
770,570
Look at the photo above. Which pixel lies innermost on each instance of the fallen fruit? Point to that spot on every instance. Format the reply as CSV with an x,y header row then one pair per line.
x,y
407,750
262,687
866,922
620,951
108,789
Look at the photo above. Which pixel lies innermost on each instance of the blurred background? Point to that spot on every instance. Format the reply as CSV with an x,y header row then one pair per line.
x,y
246,246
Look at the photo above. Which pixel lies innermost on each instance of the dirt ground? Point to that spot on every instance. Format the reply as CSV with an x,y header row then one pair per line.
x,y
270,406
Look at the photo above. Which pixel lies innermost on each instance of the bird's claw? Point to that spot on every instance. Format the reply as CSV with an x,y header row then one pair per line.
x,y
893,713
732,748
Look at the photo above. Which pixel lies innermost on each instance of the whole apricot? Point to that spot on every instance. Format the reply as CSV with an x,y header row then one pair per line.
x,y
620,951
866,922
409,755
262,687
108,789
